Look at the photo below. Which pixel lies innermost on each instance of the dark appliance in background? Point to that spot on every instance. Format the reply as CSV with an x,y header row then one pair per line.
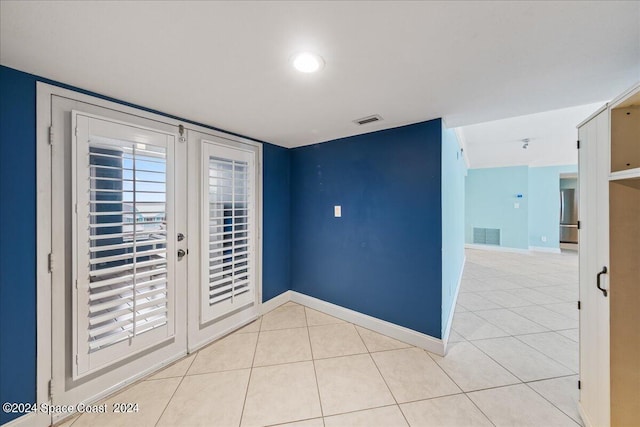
x,y
568,216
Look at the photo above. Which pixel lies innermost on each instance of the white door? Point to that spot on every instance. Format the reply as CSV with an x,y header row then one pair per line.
x,y
225,270
124,253
594,250
118,307
154,236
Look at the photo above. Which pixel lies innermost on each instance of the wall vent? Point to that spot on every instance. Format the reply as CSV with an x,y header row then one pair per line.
x,y
368,119
486,236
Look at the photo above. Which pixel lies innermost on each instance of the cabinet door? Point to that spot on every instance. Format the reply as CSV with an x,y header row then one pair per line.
x,y
594,250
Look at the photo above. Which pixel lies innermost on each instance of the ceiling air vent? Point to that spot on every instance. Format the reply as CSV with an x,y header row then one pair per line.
x,y
368,119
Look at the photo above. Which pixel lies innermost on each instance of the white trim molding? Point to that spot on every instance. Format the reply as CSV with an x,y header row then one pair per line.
x,y
447,331
49,252
529,250
585,419
275,302
27,420
409,336
495,248
543,249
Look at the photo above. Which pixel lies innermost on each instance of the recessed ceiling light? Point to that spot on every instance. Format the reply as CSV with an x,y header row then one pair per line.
x,y
307,62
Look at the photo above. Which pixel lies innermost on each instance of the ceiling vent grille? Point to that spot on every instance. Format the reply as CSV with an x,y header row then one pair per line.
x,y
368,119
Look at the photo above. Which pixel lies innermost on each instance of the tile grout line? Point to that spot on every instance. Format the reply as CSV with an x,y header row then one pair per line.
x,y
176,390
549,356
541,306
512,373
246,392
458,385
363,410
524,317
519,315
552,404
499,364
382,376
313,362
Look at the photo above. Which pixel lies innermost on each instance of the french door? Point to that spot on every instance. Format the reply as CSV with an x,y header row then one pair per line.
x,y
154,243
124,253
225,186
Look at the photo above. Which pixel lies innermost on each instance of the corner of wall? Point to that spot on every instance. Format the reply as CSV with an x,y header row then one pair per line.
x,y
453,223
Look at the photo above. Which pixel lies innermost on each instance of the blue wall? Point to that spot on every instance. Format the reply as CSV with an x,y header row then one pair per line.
x,y
544,204
489,202
453,173
276,257
17,238
18,231
383,256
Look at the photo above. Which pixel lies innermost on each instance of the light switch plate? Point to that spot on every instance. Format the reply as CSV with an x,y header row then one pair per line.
x,y
516,205
337,211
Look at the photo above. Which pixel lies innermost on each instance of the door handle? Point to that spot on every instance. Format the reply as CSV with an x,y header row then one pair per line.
x,y
604,271
182,253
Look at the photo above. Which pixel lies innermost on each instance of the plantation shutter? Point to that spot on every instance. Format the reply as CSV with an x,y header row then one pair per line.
x,y
122,253
228,254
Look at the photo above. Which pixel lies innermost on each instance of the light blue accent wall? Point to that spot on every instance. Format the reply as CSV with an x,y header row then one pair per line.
x,y
489,203
491,194
453,177
544,204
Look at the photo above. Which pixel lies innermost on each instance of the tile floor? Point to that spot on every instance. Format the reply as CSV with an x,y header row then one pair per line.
x,y
512,361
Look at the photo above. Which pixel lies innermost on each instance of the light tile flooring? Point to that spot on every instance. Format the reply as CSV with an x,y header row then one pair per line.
x,y
512,361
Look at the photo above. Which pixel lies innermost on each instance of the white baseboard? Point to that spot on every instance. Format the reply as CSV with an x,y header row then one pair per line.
x,y
496,248
585,419
389,329
447,331
544,249
529,250
29,420
275,302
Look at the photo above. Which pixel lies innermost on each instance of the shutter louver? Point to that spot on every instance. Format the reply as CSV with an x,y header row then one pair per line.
x,y
121,253
228,229
127,240
228,257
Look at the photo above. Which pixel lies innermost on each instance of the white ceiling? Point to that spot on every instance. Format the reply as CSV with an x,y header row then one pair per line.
x,y
552,135
226,64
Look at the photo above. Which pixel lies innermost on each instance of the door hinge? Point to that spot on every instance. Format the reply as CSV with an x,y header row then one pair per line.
x,y
50,262
578,144
579,306
51,135
578,225
50,389
75,131
579,385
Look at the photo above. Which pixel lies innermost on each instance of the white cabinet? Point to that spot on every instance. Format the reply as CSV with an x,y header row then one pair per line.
x,y
609,165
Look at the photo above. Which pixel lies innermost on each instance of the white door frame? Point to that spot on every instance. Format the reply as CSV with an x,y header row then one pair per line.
x,y
202,332
44,256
